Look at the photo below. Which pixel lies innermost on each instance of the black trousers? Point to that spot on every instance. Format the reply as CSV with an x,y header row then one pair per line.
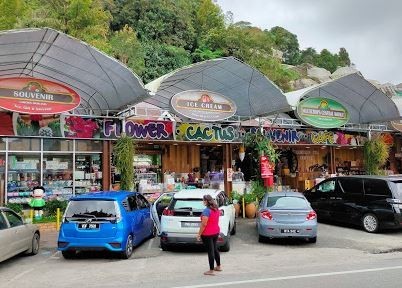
x,y
213,252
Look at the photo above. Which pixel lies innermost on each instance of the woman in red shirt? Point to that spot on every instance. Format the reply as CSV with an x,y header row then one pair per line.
x,y
209,232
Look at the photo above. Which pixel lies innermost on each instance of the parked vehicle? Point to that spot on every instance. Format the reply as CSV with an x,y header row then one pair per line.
x,y
371,202
114,221
286,215
181,219
16,236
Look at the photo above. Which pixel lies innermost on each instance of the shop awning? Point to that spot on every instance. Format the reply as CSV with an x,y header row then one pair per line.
x,y
365,103
103,83
254,94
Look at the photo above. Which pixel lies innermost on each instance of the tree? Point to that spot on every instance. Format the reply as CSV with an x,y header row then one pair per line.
x,y
343,56
161,59
309,55
11,10
126,48
287,43
327,60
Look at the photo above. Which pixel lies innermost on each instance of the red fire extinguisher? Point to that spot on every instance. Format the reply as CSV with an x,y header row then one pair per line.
x,y
267,173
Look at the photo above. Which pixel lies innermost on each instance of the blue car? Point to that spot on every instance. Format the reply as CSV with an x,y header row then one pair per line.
x,y
114,221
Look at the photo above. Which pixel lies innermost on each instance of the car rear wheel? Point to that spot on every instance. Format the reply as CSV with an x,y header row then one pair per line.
x,y
35,244
370,223
262,239
164,246
128,251
226,246
233,232
68,254
312,240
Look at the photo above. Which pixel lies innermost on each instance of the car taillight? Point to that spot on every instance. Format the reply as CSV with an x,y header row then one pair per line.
x,y
221,213
168,212
266,214
311,215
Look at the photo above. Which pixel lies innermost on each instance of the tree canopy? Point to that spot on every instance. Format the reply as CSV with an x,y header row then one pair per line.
x,y
155,37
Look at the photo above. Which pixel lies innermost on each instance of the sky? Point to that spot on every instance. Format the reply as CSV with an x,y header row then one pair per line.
x,y
370,30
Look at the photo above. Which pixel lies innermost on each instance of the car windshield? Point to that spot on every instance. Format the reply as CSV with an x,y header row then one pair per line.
x,y
193,204
91,209
287,202
399,189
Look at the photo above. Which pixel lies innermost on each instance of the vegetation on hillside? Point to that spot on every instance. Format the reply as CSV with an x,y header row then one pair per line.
x,y
158,36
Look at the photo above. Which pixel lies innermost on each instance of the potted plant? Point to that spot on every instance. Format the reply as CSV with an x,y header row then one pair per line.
x,y
236,198
124,156
376,153
251,207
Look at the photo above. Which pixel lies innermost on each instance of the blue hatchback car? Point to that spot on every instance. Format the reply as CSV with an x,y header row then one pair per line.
x,y
114,221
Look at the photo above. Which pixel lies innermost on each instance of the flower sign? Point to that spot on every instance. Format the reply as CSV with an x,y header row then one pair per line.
x,y
36,96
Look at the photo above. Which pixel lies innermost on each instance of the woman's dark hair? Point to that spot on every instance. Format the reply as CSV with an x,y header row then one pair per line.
x,y
211,203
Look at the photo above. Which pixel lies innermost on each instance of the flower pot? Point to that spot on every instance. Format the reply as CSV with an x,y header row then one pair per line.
x,y
251,210
237,209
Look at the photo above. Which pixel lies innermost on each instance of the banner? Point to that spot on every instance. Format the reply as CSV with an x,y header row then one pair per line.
x,y
206,133
139,129
313,137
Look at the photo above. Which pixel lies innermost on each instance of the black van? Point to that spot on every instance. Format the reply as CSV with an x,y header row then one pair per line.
x,y
373,202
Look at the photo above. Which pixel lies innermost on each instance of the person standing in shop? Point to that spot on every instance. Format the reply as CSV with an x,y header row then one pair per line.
x,y
209,232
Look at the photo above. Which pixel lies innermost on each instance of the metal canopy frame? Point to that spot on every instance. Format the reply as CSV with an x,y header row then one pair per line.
x,y
104,84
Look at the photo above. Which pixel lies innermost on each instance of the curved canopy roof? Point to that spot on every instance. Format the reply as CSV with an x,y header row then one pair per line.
x,y
252,92
365,103
102,82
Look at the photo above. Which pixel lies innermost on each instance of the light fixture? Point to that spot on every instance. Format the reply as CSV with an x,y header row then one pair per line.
x,y
242,153
175,144
150,143
308,147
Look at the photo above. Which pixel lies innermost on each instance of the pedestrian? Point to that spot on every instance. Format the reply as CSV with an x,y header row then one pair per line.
x,y
209,232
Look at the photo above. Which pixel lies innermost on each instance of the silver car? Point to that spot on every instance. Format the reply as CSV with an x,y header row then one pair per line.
x,y
16,236
286,215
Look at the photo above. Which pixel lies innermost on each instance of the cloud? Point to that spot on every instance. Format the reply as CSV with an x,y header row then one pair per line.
x,y
369,29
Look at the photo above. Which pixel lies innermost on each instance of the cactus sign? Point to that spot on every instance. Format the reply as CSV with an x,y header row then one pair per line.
x,y
322,113
36,96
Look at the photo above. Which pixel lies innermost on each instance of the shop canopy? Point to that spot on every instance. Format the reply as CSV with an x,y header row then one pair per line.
x,y
365,103
103,83
252,92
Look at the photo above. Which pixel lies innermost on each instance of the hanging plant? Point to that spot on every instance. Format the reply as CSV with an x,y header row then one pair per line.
x,y
376,154
124,156
262,145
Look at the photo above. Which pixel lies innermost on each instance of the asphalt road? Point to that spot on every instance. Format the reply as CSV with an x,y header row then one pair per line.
x,y
342,257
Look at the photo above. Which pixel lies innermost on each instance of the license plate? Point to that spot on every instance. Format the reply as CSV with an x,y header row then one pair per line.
x,y
190,224
88,226
290,231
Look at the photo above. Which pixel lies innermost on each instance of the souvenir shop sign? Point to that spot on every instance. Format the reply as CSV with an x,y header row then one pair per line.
x,y
139,129
322,113
203,105
36,96
313,137
206,133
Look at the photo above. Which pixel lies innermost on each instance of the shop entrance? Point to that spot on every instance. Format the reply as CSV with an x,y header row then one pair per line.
x,y
211,163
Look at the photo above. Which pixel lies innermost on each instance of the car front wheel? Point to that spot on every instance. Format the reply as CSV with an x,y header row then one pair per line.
x,y
35,244
370,223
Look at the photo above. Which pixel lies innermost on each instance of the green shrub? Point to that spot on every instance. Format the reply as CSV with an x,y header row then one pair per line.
x,y
258,189
44,219
51,207
249,198
15,206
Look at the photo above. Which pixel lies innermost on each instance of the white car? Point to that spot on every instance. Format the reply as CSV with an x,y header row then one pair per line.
x,y
16,236
177,217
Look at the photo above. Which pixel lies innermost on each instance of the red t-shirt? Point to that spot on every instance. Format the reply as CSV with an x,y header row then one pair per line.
x,y
212,227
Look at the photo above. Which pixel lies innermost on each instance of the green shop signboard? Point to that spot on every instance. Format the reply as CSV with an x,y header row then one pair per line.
x,y
322,113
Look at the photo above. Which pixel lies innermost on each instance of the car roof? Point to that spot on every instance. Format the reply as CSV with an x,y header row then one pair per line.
x,y
106,195
196,193
388,178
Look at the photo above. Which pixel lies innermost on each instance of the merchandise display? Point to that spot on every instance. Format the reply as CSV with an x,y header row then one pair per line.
x,y
57,176
87,174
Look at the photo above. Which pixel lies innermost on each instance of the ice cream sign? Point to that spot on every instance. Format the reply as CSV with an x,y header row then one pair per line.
x,y
36,96
322,113
203,105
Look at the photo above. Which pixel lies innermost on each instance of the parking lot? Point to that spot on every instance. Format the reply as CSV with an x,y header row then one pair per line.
x,y
337,248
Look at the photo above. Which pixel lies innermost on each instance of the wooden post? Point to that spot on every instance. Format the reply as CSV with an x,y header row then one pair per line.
x,y
227,163
106,165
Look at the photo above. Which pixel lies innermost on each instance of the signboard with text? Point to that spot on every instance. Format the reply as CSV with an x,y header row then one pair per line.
x,y
36,96
322,113
203,105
